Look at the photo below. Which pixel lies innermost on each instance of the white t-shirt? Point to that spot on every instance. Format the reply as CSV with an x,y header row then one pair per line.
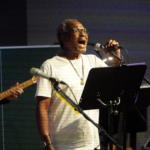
x,y
69,130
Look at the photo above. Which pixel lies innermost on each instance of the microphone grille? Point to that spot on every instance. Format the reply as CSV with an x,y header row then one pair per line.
x,y
97,46
33,71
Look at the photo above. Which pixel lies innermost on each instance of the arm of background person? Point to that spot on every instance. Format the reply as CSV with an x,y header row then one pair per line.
x,y
14,95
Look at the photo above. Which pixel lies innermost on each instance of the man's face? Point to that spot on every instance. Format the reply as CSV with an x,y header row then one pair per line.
x,y
76,39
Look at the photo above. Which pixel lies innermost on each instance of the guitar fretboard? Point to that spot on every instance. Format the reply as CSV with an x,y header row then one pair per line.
x,y
22,86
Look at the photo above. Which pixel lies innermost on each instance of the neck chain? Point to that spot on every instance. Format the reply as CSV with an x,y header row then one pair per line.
x,y
81,78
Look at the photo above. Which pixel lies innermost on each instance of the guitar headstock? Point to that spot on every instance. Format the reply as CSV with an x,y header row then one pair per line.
x,y
34,79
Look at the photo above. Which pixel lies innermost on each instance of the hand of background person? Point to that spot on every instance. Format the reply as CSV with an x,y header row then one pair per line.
x,y
15,93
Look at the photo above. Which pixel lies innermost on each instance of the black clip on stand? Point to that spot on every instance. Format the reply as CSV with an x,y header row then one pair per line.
x,y
78,109
112,110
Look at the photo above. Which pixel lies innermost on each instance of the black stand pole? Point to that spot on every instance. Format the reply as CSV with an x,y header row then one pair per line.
x,y
110,122
78,109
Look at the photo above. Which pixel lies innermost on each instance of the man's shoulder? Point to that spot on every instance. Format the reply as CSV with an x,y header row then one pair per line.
x,y
50,60
54,61
89,56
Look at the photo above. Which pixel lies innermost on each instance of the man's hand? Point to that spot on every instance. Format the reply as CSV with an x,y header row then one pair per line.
x,y
110,43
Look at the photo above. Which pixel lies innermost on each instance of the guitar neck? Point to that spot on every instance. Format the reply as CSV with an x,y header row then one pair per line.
x,y
22,86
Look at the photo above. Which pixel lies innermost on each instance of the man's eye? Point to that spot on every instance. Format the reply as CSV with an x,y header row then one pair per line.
x,y
76,30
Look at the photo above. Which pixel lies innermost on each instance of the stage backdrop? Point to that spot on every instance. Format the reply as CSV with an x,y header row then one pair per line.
x,y
124,21
18,129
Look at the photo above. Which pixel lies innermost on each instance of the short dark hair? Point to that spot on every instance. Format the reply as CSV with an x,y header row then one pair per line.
x,y
62,29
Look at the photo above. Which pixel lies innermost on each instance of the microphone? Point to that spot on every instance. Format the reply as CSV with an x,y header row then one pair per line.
x,y
98,46
38,72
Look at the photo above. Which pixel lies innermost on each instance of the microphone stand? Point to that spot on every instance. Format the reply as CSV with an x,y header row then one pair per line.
x,y
78,109
114,55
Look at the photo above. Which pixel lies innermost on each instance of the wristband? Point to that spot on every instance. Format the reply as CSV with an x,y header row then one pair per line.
x,y
46,143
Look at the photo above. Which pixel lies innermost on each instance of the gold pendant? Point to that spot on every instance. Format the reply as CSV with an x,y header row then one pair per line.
x,y
82,81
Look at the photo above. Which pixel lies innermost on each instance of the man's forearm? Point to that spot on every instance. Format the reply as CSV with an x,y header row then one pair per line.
x,y
116,61
42,124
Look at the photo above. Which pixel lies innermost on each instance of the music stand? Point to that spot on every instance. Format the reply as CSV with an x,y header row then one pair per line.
x,y
111,83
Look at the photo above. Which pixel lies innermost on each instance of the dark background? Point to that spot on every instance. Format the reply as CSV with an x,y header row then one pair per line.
x,y
32,23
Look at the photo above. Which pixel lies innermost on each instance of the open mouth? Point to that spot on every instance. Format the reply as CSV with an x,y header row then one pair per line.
x,y
82,42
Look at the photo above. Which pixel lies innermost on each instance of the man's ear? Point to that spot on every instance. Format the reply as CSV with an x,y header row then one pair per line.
x,y
63,38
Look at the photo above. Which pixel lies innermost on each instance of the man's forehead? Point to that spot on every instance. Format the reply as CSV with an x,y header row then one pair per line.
x,y
74,24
